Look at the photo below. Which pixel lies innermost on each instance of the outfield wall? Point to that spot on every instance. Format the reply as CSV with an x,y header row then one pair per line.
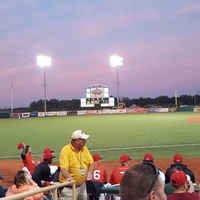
x,y
98,112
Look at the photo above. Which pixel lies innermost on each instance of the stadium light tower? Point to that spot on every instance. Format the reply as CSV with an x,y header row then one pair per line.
x,y
44,61
116,61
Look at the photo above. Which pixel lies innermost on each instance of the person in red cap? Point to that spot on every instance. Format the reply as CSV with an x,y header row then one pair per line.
x,y
117,173
142,182
148,157
53,168
42,171
183,189
27,159
47,150
99,173
99,177
178,161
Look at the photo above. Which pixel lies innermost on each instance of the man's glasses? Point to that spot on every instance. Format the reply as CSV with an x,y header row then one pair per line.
x,y
155,171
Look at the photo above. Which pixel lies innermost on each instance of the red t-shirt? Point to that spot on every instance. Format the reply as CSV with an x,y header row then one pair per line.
x,y
183,196
117,174
99,174
30,163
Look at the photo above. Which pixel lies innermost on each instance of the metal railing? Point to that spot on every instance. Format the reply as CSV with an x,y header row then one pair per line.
x,y
53,188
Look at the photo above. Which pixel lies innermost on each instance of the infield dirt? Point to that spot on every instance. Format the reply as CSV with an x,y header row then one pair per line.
x,y
9,167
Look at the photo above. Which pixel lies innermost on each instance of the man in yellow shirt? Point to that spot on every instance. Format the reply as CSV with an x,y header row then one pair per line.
x,y
76,164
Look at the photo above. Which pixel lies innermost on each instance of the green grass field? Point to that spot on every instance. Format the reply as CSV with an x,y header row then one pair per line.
x,y
161,134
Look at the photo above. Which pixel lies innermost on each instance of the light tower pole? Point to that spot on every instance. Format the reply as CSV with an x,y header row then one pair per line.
x,y
116,61
44,61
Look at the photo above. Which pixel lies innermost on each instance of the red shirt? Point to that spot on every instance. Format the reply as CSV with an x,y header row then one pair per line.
x,y
117,174
99,174
185,196
30,163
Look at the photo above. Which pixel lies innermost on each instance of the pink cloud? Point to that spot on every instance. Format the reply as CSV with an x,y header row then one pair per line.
x,y
189,9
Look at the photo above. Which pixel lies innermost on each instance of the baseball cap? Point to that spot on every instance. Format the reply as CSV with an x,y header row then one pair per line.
x,y
178,178
125,158
148,157
79,134
96,157
1,176
21,145
48,155
178,158
48,150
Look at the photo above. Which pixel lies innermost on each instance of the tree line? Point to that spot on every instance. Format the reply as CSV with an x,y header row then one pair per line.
x,y
74,104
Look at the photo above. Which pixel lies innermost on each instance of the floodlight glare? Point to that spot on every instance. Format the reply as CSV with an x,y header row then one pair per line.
x,y
43,61
116,61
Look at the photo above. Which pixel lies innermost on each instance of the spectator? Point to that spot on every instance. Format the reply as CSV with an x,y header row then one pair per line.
x,y
149,158
76,164
2,191
142,182
47,150
23,184
42,172
99,173
168,186
182,188
53,168
117,173
27,159
178,161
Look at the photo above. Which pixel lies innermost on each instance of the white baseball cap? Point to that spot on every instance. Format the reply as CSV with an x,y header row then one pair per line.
x,y
79,134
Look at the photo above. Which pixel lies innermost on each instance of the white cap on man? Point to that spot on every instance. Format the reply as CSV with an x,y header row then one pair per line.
x,y
79,134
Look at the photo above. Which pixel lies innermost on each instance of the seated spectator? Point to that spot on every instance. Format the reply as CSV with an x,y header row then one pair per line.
x,y
2,191
47,150
23,184
42,171
168,186
42,174
27,159
53,168
142,182
182,188
117,173
178,161
149,158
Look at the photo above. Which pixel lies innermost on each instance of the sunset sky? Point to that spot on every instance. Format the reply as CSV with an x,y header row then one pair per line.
x,y
159,41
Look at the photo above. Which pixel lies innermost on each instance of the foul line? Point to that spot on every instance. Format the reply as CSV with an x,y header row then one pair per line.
x,y
116,148
144,147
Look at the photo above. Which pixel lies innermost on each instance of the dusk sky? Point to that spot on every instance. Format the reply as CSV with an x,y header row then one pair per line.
x,y
159,41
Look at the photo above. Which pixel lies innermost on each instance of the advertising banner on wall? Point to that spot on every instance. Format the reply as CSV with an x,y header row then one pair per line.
x,y
15,115
158,110
34,114
25,115
196,109
61,113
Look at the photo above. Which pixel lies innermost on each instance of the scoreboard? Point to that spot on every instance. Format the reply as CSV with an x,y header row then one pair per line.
x,y
97,94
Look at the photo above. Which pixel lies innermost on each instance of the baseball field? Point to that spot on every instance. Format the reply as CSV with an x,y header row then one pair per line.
x,y
162,134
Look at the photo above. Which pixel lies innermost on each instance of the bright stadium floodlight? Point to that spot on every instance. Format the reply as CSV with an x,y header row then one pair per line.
x,y
44,61
116,61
